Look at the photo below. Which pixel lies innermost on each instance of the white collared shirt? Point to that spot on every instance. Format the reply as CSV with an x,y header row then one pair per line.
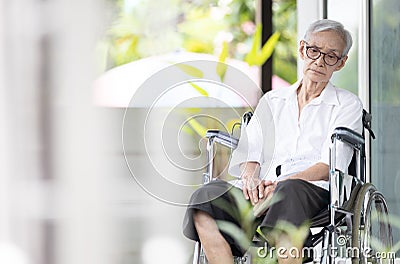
x,y
276,135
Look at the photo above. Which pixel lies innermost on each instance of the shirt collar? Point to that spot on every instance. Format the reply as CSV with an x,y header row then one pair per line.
x,y
327,96
288,92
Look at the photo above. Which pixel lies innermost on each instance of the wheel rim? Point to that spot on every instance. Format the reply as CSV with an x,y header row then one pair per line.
x,y
371,226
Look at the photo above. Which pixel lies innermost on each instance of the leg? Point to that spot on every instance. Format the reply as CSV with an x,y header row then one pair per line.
x,y
299,202
211,202
214,244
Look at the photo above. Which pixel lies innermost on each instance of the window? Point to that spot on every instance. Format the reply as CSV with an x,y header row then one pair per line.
x,y
348,16
385,101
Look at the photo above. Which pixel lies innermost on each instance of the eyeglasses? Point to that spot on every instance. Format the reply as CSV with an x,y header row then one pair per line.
x,y
314,53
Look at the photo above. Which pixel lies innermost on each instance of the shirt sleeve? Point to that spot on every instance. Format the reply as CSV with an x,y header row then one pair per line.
x,y
348,114
251,144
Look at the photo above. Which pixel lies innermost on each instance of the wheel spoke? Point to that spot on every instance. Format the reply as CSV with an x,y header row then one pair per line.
x,y
371,227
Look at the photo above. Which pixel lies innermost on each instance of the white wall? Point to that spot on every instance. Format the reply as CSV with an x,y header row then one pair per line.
x,y
52,184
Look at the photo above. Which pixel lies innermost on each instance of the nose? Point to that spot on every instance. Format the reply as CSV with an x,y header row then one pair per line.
x,y
320,61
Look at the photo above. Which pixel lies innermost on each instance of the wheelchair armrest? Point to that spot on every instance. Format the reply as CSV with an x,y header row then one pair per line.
x,y
223,138
349,137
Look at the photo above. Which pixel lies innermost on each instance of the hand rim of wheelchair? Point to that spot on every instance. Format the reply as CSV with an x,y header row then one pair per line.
x,y
362,218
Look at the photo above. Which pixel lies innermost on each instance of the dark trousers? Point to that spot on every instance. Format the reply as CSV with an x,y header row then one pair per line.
x,y
299,202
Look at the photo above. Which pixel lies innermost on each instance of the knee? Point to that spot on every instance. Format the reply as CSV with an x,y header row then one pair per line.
x,y
209,192
203,221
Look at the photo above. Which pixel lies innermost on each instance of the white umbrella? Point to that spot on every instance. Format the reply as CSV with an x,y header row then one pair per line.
x,y
162,81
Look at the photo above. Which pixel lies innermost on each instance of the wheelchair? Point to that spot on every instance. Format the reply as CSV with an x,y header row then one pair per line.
x,y
357,218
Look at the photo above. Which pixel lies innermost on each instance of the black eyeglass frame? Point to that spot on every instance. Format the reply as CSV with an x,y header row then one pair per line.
x,y
320,52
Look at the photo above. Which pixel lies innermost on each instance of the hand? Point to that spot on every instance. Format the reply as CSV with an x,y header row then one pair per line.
x,y
264,203
269,188
251,189
256,189
250,172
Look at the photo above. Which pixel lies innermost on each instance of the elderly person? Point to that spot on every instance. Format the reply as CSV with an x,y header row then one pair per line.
x,y
295,166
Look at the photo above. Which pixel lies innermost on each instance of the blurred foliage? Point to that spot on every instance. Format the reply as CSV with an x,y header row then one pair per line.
x,y
257,56
245,215
144,28
284,21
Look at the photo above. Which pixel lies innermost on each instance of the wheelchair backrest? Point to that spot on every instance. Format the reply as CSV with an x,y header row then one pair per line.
x,y
352,169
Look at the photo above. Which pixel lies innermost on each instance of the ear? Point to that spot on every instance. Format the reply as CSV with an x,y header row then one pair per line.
x,y
302,46
341,63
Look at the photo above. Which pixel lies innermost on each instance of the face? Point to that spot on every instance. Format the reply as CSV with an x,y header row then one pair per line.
x,y
327,42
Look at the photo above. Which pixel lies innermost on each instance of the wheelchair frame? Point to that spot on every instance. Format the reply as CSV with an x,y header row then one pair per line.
x,y
354,214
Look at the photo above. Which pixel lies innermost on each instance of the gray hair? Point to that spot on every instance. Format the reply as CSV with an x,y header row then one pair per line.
x,y
331,25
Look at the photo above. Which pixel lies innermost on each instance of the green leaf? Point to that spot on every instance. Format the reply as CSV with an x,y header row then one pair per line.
x,y
264,204
257,57
396,247
187,130
260,232
191,110
376,243
245,208
199,89
235,232
297,235
197,127
268,48
221,66
224,52
251,57
190,70
394,221
227,207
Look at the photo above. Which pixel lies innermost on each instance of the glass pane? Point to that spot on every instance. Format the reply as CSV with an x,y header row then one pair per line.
x,y
203,26
347,78
385,100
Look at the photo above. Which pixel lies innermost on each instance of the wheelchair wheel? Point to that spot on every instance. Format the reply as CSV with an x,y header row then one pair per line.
x,y
370,227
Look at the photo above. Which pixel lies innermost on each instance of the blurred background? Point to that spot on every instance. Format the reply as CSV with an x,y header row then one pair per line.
x,y
82,159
